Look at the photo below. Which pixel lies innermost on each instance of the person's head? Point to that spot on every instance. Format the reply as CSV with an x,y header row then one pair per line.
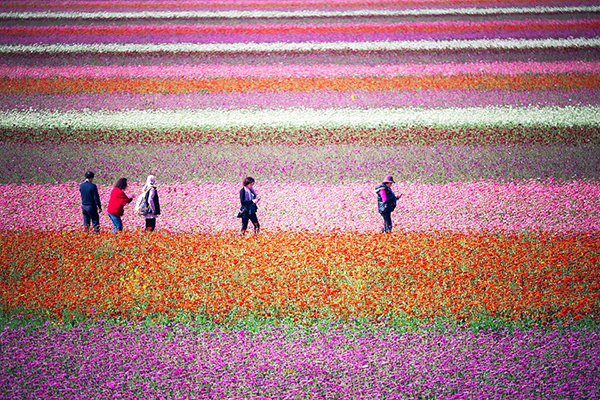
x,y
121,184
151,180
249,182
388,181
89,176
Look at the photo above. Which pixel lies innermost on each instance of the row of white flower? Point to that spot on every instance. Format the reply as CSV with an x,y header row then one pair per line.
x,y
238,14
278,47
185,119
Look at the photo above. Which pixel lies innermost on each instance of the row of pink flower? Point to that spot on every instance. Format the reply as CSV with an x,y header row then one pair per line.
x,y
561,207
318,99
119,5
297,70
251,38
288,28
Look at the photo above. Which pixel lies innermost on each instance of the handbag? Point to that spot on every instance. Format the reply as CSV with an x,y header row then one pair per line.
x,y
241,212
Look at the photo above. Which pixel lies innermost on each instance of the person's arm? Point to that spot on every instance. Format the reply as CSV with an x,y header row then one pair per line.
x,y
124,199
97,198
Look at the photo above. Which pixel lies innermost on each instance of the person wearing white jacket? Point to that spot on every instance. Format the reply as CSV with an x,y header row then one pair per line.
x,y
151,195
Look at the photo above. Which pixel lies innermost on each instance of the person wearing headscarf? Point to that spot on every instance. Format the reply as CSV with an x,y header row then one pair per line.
x,y
152,201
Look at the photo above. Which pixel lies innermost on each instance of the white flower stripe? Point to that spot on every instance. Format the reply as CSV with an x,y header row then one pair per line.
x,y
419,45
192,119
239,14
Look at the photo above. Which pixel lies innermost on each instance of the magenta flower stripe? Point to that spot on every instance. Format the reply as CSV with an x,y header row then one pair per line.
x,y
121,5
295,70
322,363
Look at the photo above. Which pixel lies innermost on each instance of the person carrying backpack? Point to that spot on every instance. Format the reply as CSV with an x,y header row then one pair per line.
x,y
148,203
386,202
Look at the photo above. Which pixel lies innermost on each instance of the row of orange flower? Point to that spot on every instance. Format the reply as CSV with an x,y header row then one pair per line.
x,y
302,276
57,85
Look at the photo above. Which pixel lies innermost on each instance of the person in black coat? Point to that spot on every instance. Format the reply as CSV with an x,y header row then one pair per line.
x,y
249,200
90,203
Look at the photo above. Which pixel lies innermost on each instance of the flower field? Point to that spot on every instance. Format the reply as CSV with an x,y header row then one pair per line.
x,y
487,114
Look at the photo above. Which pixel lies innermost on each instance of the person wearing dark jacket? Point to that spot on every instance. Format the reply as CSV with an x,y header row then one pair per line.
x,y
249,200
90,203
116,204
386,202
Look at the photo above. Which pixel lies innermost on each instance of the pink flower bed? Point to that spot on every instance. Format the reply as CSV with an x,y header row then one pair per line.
x,y
296,70
209,207
180,5
318,99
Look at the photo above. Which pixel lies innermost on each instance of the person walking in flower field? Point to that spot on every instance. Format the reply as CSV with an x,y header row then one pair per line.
x,y
148,203
249,200
90,203
386,202
116,204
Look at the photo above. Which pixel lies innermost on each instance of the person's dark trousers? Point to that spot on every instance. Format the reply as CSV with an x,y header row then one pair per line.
x,y
387,221
90,215
150,224
250,217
